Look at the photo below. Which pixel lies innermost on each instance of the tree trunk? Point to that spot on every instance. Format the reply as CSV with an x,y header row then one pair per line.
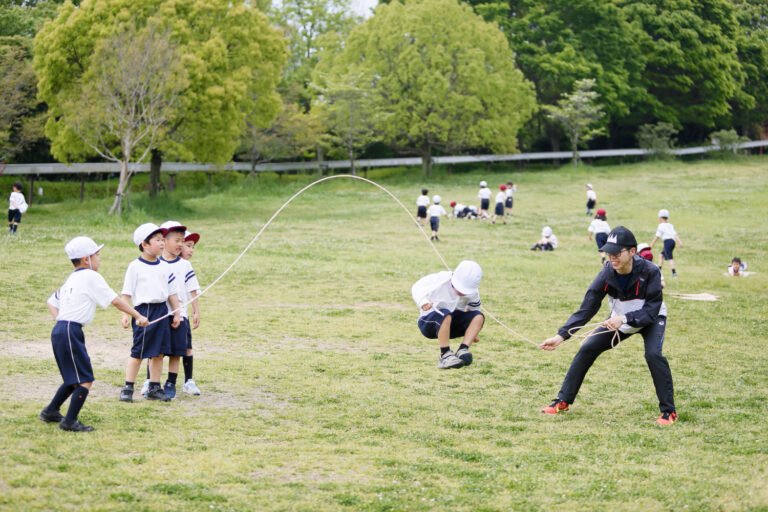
x,y
426,158
320,158
155,162
82,187
31,194
352,168
575,140
121,187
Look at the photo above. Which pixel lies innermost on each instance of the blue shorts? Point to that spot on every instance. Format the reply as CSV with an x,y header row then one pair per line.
x,y
154,340
590,204
71,356
600,239
499,209
189,334
430,324
14,216
421,212
484,204
434,223
178,338
669,246
508,202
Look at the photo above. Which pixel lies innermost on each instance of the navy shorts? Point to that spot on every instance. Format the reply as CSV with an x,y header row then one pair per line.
x,y
484,203
421,212
154,340
600,239
669,246
508,202
14,216
71,356
590,204
430,324
178,338
434,223
499,209
189,334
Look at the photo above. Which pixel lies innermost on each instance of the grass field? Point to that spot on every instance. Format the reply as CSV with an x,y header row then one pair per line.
x,y
319,393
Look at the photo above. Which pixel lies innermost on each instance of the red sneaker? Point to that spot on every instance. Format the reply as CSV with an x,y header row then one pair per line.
x,y
667,418
555,407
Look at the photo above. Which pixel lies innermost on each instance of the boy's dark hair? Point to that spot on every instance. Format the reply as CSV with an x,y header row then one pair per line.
x,y
76,261
424,191
146,241
18,185
736,260
600,217
510,183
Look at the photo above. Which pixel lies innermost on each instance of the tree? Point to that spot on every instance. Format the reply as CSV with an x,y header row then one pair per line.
x,y
231,60
437,75
657,138
578,113
750,105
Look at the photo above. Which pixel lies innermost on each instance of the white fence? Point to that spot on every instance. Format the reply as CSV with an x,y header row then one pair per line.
x,y
173,167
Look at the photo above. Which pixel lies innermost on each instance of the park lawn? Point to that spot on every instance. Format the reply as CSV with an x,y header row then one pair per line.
x,y
319,393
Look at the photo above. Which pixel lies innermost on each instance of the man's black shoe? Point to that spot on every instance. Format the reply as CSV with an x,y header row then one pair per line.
x,y
75,426
126,394
50,416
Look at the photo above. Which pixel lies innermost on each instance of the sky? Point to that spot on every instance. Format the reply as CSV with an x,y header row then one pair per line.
x,y
363,7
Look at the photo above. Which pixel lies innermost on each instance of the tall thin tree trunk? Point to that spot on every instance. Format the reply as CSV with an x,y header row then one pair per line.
x,y
121,187
426,158
352,168
155,163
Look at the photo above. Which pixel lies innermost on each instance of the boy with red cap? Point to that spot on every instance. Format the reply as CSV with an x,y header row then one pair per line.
x,y
501,197
193,290
600,228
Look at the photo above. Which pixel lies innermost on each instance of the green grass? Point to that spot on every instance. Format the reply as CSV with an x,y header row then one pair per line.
x,y
319,393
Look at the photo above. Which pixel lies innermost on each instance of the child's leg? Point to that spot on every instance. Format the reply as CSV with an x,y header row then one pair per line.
x,y
156,369
132,369
78,399
470,335
672,265
444,333
60,397
188,362
173,364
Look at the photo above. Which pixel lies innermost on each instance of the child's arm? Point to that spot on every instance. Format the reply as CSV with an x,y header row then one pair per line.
x,y
125,321
195,311
654,241
173,300
124,306
677,238
53,309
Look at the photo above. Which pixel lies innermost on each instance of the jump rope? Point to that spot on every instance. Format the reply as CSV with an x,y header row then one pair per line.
x,y
583,336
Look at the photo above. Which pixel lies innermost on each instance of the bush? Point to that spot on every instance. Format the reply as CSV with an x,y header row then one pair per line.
x,y
657,138
727,142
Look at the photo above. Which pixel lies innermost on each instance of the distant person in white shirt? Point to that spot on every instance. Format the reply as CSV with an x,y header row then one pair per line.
x,y
501,198
449,307
548,241
644,251
668,235
462,211
434,212
73,306
484,194
509,202
737,268
16,206
422,203
591,198
600,228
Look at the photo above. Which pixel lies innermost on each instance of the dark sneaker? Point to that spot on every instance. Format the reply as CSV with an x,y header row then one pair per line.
x,y
75,426
555,407
465,355
666,419
170,389
126,394
157,394
50,416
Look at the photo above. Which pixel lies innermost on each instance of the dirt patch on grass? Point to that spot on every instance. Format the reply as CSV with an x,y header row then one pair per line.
x,y
357,307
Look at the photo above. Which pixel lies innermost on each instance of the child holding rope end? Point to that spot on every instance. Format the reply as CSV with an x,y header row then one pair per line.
x,y
633,286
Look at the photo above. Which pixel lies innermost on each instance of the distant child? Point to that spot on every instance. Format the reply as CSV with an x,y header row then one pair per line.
x,y
548,241
149,283
449,305
501,198
484,194
422,202
73,306
511,189
600,228
187,250
668,235
434,212
644,251
461,211
16,206
591,198
737,268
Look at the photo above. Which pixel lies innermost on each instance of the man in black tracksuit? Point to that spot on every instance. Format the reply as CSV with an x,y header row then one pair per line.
x,y
633,286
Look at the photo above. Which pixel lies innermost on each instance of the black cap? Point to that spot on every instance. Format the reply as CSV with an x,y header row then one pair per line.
x,y
619,239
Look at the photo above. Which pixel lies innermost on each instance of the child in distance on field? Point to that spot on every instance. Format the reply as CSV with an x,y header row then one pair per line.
x,y
509,202
548,241
501,198
484,194
591,198
187,250
737,268
422,203
461,211
449,307
73,306
666,231
434,212
600,228
17,205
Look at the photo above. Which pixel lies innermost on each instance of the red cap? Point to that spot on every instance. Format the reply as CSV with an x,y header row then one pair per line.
x,y
453,203
601,212
502,187
191,236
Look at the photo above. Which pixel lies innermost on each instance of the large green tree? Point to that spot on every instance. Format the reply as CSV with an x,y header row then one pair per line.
x,y
750,106
437,76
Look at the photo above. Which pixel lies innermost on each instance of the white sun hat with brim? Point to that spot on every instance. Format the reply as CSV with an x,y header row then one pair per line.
x,y
547,231
466,278
81,247
664,213
589,186
145,231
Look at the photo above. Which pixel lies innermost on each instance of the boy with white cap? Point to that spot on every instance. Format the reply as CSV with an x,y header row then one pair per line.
x,y
501,198
422,203
187,250
73,306
591,198
668,235
149,283
434,212
449,305
484,194
548,241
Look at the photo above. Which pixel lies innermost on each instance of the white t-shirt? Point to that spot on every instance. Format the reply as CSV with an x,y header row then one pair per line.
x,y
17,202
501,197
510,191
436,210
149,282
459,207
599,226
422,201
436,288
187,281
484,193
666,231
591,195
551,240
77,298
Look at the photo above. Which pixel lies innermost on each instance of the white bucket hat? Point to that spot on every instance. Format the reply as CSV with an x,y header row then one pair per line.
x,y
547,231
81,247
144,231
466,278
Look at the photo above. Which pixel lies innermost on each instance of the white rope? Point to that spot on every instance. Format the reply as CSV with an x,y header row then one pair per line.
x,y
297,194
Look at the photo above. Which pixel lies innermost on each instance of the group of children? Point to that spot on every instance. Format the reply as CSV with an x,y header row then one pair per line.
x,y
160,284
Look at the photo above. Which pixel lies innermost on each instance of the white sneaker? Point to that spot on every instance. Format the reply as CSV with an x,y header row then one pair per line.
x,y
449,360
465,355
145,388
190,388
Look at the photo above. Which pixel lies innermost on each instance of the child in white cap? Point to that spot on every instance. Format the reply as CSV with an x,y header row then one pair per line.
x,y
591,198
548,241
17,205
434,212
484,194
666,231
193,287
422,202
73,306
449,307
